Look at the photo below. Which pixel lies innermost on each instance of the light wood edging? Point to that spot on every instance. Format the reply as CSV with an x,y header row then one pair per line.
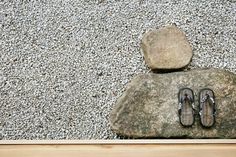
x,y
117,148
117,142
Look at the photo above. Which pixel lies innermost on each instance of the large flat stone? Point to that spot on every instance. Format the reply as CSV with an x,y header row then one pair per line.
x,y
148,107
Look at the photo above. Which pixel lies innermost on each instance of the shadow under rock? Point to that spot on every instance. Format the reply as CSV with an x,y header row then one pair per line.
x,y
163,71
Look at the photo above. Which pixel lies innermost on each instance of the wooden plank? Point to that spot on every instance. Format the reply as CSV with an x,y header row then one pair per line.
x,y
121,148
148,150
108,142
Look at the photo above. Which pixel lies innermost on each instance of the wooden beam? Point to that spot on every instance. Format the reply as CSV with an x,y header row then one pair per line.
x,y
117,142
118,148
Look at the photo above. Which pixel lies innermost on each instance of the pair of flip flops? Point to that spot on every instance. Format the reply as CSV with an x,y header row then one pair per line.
x,y
206,107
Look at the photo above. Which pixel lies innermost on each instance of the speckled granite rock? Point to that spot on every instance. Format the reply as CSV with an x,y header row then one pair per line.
x,y
148,107
166,48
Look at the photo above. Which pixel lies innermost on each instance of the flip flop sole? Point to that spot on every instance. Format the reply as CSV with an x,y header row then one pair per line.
x,y
186,111
207,107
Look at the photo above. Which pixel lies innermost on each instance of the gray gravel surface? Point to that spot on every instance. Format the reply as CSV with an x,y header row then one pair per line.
x,y
63,64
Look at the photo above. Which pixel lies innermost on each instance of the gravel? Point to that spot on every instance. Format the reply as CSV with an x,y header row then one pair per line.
x,y
63,64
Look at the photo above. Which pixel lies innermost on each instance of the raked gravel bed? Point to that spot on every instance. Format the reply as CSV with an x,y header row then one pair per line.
x,y
63,64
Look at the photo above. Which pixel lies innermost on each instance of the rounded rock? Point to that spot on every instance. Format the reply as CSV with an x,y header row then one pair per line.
x,y
166,48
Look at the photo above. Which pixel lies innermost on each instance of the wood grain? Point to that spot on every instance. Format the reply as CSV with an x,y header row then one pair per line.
x,y
137,148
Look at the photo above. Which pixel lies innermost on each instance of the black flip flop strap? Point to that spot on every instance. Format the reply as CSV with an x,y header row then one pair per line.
x,y
207,98
181,102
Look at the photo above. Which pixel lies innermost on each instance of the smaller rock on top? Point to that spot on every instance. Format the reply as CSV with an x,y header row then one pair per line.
x,y
166,48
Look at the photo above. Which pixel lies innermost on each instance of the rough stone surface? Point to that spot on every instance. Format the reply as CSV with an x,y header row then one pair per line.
x,y
148,108
166,48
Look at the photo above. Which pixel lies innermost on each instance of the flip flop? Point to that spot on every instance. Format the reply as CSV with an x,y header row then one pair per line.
x,y
207,108
186,107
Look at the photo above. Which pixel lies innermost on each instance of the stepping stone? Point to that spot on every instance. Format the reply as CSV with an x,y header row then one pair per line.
x,y
166,48
149,106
